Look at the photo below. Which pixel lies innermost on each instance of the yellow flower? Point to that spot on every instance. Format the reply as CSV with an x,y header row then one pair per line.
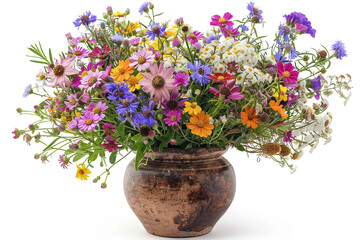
x,y
122,71
197,91
200,125
132,27
134,82
192,108
281,95
170,32
82,172
118,14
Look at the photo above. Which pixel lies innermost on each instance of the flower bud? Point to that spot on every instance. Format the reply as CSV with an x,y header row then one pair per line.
x,y
306,58
172,142
151,6
102,25
19,110
109,10
37,156
126,43
179,21
157,54
127,11
322,54
103,185
197,45
255,19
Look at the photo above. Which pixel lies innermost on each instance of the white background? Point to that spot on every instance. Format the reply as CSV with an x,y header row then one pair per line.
x,y
43,201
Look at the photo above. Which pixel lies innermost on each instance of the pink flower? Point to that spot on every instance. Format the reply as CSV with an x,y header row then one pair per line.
x,y
64,161
109,128
195,36
98,109
72,102
287,72
79,52
134,41
228,91
91,80
158,82
110,144
173,117
58,75
224,21
99,53
88,122
141,59
173,103
300,27
181,79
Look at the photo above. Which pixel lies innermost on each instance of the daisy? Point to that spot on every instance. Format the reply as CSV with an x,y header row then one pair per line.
x,y
59,74
200,125
122,71
141,59
287,72
192,108
228,91
99,53
88,122
72,102
181,79
280,94
158,82
91,80
109,129
64,161
195,36
173,103
110,144
98,109
79,52
173,117
278,108
224,21
250,118
82,172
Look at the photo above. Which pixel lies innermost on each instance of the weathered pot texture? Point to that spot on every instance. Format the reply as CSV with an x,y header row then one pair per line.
x,y
181,193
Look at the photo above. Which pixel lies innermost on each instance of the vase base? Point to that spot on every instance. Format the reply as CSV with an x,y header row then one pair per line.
x,y
181,234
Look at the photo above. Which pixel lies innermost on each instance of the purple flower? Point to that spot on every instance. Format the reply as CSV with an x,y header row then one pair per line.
x,y
27,90
146,117
155,30
143,8
200,72
291,98
339,49
134,41
230,31
288,137
64,161
173,103
74,123
316,83
118,92
72,102
127,106
195,36
172,118
243,27
109,128
254,11
300,18
85,19
181,79
292,52
88,122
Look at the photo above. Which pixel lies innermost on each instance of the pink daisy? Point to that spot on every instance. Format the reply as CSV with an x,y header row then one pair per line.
x,y
64,161
173,117
72,101
158,82
181,79
88,122
79,52
109,128
219,21
195,36
110,144
91,80
134,41
287,72
99,53
58,75
228,91
98,109
141,59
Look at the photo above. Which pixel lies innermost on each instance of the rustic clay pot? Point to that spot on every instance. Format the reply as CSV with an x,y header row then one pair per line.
x,y
181,193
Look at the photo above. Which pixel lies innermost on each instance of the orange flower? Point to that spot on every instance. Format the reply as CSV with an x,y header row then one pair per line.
x,y
250,118
122,71
278,108
200,125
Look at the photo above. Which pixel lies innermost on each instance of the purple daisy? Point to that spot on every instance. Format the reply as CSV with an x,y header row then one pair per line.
x,y
134,41
142,59
110,144
88,122
173,104
64,161
74,123
72,102
181,79
98,109
79,52
195,36
91,80
173,117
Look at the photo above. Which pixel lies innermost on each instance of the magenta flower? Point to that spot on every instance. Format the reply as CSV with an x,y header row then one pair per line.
x,y
59,74
224,21
79,52
288,137
194,37
64,161
181,79
230,31
91,80
98,109
173,117
88,122
173,103
134,41
158,82
287,72
110,144
72,101
228,91
99,53
74,123
141,59
109,129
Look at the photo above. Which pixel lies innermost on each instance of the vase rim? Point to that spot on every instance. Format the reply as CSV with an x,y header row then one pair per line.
x,y
191,154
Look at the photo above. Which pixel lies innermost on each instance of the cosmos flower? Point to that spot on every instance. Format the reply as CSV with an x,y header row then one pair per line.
x,y
287,72
195,36
219,21
221,77
99,53
158,82
97,108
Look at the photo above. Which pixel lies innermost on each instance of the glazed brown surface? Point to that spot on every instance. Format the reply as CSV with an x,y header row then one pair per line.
x,y
181,193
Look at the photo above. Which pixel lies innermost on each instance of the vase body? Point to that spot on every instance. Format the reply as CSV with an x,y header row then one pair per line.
x,y
181,193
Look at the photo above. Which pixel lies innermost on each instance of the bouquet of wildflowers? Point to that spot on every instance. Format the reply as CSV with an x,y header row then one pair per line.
x,y
144,86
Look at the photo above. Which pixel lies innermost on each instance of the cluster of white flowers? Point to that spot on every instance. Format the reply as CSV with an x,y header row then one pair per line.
x,y
252,76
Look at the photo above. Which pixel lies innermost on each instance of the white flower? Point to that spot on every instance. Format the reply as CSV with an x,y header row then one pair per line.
x,y
328,140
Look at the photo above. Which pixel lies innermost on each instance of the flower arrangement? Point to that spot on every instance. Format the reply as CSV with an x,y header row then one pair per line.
x,y
136,86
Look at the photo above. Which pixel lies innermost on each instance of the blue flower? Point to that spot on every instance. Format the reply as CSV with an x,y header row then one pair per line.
x,y
316,83
254,11
300,18
127,106
292,52
27,90
143,7
339,48
243,27
85,19
210,39
146,117
116,38
284,31
118,92
155,30
200,72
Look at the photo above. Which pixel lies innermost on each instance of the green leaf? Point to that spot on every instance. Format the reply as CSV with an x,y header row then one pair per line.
x,y
139,156
79,155
93,156
113,157
240,148
51,144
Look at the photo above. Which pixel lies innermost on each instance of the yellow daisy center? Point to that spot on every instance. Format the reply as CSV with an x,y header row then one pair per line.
x,y
77,53
286,74
121,70
72,102
141,60
88,121
222,20
96,110
174,118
